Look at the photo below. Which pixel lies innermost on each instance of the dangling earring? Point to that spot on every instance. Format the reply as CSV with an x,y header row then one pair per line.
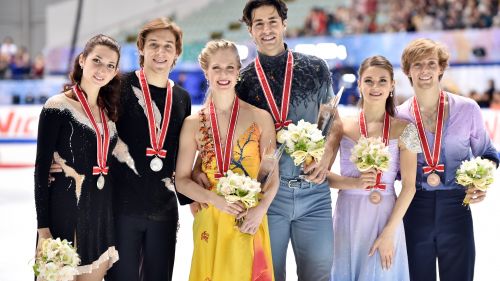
x,y
391,94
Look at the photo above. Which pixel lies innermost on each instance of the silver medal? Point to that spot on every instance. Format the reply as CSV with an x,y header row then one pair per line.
x,y
156,164
100,182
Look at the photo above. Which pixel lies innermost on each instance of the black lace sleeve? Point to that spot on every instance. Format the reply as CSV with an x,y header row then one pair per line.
x,y
48,130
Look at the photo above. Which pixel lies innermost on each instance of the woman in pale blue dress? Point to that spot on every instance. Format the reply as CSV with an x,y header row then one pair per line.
x,y
369,240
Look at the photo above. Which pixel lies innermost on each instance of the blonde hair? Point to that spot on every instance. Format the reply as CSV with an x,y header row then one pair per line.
x,y
209,50
419,48
212,47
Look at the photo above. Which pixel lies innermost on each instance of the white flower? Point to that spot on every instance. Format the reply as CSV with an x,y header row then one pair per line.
x,y
302,141
57,260
476,173
370,153
235,187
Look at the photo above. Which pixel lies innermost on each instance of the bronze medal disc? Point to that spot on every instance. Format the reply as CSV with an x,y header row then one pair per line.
x,y
433,180
375,197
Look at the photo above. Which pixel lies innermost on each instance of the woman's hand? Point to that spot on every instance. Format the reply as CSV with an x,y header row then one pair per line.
x,y
230,208
385,246
43,233
195,207
367,178
252,219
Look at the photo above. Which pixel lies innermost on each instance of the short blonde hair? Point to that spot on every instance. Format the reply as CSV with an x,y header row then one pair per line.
x,y
419,48
212,47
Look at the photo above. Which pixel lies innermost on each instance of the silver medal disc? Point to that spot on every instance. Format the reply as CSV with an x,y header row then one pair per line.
x,y
156,164
100,182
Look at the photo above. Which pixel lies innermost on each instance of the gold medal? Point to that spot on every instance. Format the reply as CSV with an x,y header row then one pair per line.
x,y
433,180
375,197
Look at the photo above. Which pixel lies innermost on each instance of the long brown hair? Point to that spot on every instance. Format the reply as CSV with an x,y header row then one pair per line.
x,y
109,95
382,62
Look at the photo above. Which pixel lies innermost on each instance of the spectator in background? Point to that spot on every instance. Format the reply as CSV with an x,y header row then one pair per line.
x,y
495,102
4,66
8,47
316,22
490,91
20,65
38,67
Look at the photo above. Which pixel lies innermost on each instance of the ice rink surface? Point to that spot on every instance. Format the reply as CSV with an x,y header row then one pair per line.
x,y
18,231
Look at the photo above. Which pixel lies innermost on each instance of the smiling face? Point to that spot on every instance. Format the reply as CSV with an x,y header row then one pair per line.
x,y
267,30
159,51
425,72
223,70
375,85
99,66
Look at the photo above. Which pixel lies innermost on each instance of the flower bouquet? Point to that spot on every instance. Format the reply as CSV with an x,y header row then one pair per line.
x,y
57,261
304,142
475,173
370,153
235,187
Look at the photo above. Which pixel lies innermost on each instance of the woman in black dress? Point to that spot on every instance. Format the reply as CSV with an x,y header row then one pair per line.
x,y
76,204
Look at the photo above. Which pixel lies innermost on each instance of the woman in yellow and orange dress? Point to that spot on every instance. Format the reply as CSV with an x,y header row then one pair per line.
x,y
222,250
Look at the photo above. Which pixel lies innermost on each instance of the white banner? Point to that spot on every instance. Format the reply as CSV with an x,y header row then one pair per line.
x,y
19,125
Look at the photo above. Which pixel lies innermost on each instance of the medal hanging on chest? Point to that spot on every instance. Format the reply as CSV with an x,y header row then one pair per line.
x,y
157,139
375,195
223,159
278,116
432,160
102,140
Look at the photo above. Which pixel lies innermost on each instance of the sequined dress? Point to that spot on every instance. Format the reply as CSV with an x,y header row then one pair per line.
x,y
221,251
72,206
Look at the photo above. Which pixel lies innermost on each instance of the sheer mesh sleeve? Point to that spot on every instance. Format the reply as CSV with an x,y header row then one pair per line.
x,y
411,139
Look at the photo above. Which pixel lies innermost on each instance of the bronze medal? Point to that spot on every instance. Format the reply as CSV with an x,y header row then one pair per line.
x,y
375,197
433,180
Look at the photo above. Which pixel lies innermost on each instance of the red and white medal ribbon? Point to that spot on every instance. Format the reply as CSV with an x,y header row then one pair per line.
x,y
432,160
279,116
223,160
385,137
156,140
102,140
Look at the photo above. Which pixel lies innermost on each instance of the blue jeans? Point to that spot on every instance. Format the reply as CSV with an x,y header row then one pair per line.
x,y
302,213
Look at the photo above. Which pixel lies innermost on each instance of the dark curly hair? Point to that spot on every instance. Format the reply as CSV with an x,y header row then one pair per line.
x,y
251,5
109,95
